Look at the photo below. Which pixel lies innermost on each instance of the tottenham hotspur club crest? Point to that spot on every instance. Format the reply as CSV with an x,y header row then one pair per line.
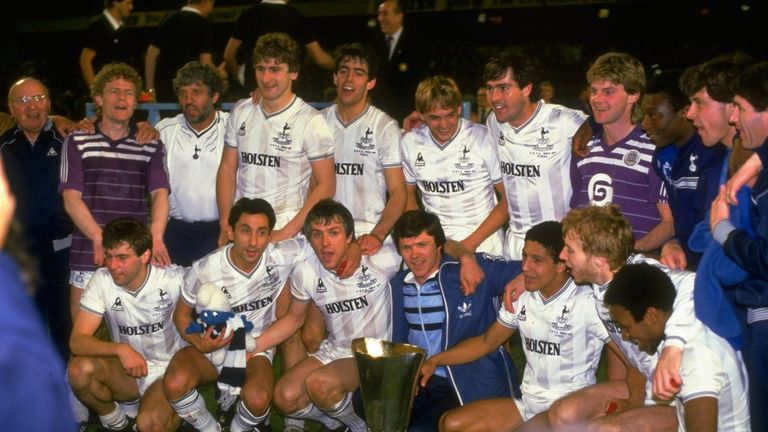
x,y
543,142
283,138
464,162
366,142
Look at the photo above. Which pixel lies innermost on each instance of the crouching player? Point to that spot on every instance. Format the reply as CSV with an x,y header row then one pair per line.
x,y
714,380
252,272
561,332
137,299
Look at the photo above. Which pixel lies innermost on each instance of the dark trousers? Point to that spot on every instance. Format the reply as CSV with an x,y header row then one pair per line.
x,y
52,294
189,241
756,359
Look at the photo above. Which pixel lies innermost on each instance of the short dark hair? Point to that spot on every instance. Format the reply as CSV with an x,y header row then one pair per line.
x,y
752,85
127,230
400,6
279,47
414,222
252,206
196,72
637,287
525,70
716,76
550,235
357,52
668,83
326,211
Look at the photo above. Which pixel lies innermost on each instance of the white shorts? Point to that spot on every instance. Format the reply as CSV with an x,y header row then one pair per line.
x,y
328,353
269,354
529,407
155,371
80,278
493,245
282,219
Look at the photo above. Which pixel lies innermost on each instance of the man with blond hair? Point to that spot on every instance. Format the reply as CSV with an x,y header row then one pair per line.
x,y
618,168
452,163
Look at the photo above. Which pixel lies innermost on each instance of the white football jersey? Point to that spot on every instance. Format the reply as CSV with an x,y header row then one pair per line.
x,y
535,163
275,151
251,294
562,337
192,160
711,368
456,179
359,306
681,327
364,148
142,319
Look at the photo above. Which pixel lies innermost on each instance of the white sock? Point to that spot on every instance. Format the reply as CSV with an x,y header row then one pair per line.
x,y
115,420
191,408
311,412
344,411
131,407
244,420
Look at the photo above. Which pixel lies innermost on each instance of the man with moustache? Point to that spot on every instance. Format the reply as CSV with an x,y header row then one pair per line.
x,y
194,142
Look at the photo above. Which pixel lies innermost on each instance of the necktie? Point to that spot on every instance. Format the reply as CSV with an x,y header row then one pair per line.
x,y
389,47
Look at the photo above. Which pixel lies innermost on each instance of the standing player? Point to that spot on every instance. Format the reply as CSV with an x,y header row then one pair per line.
x,y
194,141
598,243
452,163
136,299
360,306
252,272
714,380
618,168
560,330
369,175
533,139
107,174
275,146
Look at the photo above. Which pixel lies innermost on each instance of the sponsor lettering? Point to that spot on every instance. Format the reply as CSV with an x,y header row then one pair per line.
x,y
347,305
253,305
443,186
260,159
511,169
542,347
141,329
344,168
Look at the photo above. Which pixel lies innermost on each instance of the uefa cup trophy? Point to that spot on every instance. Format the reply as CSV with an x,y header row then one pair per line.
x,y
388,374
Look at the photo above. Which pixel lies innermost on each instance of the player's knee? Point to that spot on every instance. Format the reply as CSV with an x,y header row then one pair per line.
x,y
150,422
287,396
450,422
562,413
256,398
81,371
176,383
321,390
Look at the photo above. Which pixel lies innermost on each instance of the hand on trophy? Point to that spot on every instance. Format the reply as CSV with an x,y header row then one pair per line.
x,y
427,370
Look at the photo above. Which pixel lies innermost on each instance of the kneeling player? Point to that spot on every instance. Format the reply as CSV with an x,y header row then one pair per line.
x,y
560,330
252,272
714,388
320,386
137,300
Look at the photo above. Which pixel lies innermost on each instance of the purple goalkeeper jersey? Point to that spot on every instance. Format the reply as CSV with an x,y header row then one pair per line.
x,y
620,174
115,178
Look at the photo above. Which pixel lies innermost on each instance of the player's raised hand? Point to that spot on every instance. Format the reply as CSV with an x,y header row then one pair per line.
x,y
350,261
666,377
206,343
412,121
369,243
673,255
134,363
580,139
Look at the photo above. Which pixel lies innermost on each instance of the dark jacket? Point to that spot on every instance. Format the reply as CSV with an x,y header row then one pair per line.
x,y
465,316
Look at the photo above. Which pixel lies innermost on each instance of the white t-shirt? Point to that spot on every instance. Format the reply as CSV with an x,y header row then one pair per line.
x,y
142,319
535,163
364,148
562,337
456,179
359,306
275,151
252,294
192,160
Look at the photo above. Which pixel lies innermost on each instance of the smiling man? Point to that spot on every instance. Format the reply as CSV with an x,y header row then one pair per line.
x,y
194,142
430,311
321,385
618,166
680,158
136,299
369,174
253,273
106,174
560,331
640,301
451,162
